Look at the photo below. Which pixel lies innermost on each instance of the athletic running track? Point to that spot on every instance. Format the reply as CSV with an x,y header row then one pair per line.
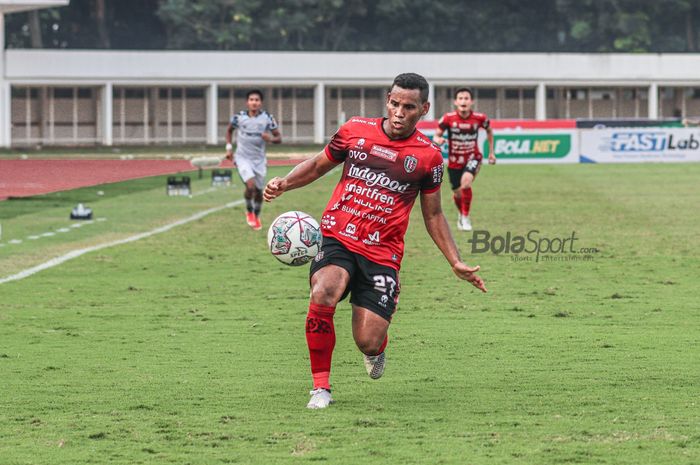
x,y
24,178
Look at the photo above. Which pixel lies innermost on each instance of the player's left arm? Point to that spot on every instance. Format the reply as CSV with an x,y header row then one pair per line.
x,y
439,230
492,152
274,136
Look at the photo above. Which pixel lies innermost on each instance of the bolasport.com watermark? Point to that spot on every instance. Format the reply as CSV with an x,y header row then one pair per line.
x,y
532,246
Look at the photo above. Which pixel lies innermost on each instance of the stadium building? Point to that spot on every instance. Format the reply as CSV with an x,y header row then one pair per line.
x,y
79,97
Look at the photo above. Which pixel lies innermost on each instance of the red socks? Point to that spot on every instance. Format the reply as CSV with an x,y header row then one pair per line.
x,y
320,337
466,201
386,341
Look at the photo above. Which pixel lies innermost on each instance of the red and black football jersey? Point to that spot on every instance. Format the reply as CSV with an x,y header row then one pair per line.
x,y
463,136
369,209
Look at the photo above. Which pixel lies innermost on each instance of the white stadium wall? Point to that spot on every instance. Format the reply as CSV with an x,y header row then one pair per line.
x,y
73,97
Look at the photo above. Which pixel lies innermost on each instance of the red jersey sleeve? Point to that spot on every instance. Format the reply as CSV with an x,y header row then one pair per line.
x,y
485,122
433,176
442,124
337,148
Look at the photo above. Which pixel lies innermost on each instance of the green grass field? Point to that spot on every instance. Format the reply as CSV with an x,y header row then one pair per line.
x,y
188,347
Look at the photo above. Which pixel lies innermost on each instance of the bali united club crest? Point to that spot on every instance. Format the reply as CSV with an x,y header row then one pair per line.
x,y
410,163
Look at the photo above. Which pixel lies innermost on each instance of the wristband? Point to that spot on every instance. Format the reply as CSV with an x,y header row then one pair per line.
x,y
229,147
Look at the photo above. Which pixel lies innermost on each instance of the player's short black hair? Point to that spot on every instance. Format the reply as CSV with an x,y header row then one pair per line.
x,y
253,92
412,81
464,89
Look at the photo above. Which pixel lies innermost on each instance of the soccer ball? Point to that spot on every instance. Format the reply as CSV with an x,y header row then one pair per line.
x,y
294,238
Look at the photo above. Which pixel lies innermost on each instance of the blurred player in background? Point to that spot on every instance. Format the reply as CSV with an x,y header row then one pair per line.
x,y
462,128
387,164
255,128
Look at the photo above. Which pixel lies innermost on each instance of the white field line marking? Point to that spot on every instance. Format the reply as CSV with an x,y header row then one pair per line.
x,y
34,237
77,253
206,191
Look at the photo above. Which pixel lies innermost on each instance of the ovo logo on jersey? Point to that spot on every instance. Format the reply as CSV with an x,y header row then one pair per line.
x,y
357,155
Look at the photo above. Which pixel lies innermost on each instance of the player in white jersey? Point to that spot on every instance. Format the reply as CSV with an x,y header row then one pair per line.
x,y
255,128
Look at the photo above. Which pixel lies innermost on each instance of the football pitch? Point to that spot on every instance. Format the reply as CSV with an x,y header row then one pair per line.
x,y
187,346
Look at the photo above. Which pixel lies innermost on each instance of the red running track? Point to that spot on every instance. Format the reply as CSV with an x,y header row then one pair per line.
x,y
24,178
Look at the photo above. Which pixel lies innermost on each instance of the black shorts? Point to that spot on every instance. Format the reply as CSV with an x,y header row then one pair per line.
x,y
473,166
372,286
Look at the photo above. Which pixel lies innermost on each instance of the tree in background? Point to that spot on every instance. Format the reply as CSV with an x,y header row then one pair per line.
x,y
364,25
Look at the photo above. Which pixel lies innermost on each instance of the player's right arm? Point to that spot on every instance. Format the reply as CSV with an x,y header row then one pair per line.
x,y
438,139
304,173
232,125
229,138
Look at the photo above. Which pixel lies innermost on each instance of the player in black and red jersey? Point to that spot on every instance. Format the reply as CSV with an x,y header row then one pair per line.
x,y
387,164
462,128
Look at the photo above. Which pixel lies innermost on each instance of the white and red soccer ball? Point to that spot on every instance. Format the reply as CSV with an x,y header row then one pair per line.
x,y
294,238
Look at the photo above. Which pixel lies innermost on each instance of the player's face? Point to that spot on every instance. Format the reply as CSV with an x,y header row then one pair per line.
x,y
404,108
464,102
254,102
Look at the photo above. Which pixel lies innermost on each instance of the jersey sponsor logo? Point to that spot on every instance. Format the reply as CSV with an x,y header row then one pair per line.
x,y
350,230
370,193
410,163
437,171
357,155
372,206
357,120
372,239
363,215
463,136
327,221
372,178
383,152
361,142
423,140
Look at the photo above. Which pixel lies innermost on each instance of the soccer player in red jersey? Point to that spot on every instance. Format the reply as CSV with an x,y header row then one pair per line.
x,y
387,164
462,127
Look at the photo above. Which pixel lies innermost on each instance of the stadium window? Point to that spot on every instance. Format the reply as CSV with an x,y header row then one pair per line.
x,y
176,92
19,92
304,93
530,94
84,92
239,94
286,92
485,93
223,92
512,94
334,93
550,93
696,93
163,93
601,94
63,92
578,94
351,92
135,93
194,92
373,93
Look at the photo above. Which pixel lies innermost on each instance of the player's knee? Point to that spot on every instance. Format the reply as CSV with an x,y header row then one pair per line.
x,y
324,295
368,345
